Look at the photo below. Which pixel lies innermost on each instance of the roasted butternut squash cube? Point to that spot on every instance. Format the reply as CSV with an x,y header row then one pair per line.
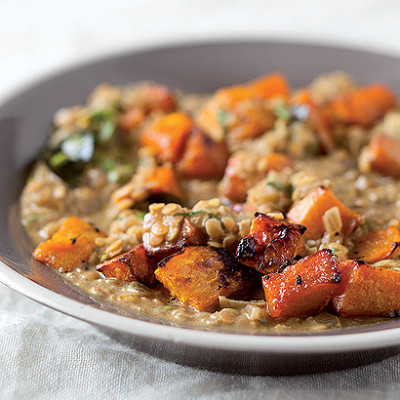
x,y
235,113
310,210
377,245
271,245
70,247
364,106
167,136
303,289
165,180
367,291
382,155
198,275
134,265
270,86
244,170
203,157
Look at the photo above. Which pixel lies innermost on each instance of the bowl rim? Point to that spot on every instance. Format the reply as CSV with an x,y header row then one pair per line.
x,y
370,337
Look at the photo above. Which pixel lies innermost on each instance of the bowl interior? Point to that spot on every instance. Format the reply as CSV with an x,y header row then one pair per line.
x,y
25,121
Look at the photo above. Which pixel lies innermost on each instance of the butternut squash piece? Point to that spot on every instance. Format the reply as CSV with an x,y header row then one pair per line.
x,y
167,136
130,119
364,106
70,247
270,86
203,158
377,245
198,275
164,180
302,289
310,210
383,156
238,177
367,291
271,245
235,113
134,265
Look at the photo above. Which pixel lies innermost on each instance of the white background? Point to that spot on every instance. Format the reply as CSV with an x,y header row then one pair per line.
x,y
45,355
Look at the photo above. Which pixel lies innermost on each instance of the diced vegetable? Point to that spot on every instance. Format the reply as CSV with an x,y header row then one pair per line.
x,y
237,112
167,136
134,265
271,245
270,86
237,180
131,119
377,245
364,106
383,156
164,180
310,210
367,291
303,289
198,275
152,97
203,158
70,247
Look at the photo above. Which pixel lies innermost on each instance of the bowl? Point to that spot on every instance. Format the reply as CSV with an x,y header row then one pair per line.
x,y
25,121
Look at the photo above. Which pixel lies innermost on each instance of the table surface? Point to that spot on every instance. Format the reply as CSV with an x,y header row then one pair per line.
x,y
47,355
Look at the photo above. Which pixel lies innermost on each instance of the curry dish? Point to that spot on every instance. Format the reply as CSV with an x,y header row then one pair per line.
x,y
258,207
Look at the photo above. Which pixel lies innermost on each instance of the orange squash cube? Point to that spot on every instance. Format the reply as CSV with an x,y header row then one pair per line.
x,y
303,289
134,265
364,106
271,86
367,291
164,180
310,210
198,275
238,179
271,244
383,156
203,158
70,247
167,136
377,245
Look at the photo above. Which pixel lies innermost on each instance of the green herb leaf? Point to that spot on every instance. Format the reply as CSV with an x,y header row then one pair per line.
x,y
168,307
140,214
32,217
57,160
104,257
106,132
222,118
279,186
282,113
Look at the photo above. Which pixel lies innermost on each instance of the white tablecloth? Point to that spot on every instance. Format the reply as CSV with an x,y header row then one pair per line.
x,y
47,355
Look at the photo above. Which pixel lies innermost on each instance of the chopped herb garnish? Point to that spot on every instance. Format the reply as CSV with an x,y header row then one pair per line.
x,y
211,215
121,173
104,257
106,132
293,113
140,214
106,163
57,160
73,240
282,113
222,118
283,188
32,217
334,251
168,306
